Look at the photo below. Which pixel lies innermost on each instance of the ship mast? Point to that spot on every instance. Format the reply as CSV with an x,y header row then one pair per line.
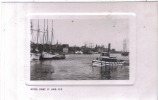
x,y
124,46
31,31
47,32
52,34
38,30
43,34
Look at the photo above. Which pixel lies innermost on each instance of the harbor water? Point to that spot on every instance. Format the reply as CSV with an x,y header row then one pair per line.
x,y
77,67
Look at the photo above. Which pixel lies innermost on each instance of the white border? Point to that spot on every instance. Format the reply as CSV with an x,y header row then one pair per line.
x,y
116,15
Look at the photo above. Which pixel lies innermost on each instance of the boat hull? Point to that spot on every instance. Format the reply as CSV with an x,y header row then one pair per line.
x,y
34,56
125,53
98,63
53,58
111,59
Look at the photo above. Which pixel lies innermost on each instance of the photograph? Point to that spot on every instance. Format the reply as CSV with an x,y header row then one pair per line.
x,y
79,49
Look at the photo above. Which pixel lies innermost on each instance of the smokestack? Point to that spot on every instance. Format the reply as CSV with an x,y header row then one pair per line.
x,y
109,47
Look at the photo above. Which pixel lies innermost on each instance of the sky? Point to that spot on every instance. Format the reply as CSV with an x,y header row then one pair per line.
x,y
85,31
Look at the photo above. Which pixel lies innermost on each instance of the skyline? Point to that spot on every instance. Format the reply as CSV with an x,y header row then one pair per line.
x,y
85,31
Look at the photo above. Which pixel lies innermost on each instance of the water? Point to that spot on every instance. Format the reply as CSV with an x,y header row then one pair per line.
x,y
76,67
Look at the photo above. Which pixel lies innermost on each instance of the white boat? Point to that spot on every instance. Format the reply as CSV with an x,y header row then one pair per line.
x,y
106,60
49,56
78,52
34,56
98,63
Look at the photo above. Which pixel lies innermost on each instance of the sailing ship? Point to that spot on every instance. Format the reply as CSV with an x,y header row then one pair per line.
x,y
125,52
35,55
47,54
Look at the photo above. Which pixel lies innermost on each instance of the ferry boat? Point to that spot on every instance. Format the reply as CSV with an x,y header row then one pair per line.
x,y
105,59
105,56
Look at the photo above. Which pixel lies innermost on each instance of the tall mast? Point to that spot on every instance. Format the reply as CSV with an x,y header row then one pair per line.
x,y
124,46
47,31
52,34
38,30
43,34
32,31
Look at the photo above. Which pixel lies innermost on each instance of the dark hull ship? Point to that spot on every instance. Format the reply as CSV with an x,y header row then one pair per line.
x,y
125,53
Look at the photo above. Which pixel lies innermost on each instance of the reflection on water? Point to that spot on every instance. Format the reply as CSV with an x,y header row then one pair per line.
x,y
77,67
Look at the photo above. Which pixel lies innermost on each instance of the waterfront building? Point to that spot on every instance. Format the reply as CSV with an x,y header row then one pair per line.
x,y
65,48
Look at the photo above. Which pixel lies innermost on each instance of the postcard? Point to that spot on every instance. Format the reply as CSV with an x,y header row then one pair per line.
x,y
80,49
